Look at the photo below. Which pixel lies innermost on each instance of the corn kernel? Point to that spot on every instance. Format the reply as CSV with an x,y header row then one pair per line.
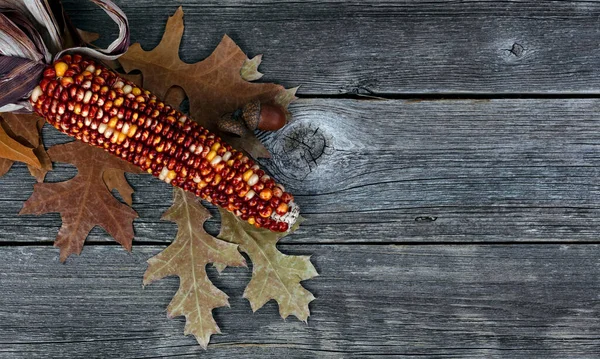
x,y
249,195
136,91
115,137
118,102
171,175
253,180
132,131
37,91
216,160
210,155
109,131
113,122
246,176
163,173
87,97
215,147
282,209
266,194
60,68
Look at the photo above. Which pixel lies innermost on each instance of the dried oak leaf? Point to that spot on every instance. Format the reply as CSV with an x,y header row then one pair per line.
x,y
115,180
27,129
214,86
5,166
187,258
83,201
274,274
14,150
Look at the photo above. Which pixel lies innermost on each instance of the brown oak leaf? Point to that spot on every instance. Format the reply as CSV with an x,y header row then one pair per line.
x,y
214,86
115,180
26,129
14,150
83,201
187,258
5,166
274,274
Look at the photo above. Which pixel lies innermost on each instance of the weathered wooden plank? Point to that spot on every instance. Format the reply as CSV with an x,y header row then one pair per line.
x,y
388,47
486,171
467,301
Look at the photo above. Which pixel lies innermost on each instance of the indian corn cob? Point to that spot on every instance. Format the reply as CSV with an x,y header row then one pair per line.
x,y
92,103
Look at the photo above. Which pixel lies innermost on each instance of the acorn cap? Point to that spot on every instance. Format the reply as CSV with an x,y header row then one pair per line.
x,y
251,114
227,123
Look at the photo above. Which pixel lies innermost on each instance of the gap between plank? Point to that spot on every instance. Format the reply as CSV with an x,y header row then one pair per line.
x,y
367,243
374,96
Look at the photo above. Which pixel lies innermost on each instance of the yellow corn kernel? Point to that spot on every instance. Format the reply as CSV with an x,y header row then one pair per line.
x,y
215,147
171,175
60,68
211,155
118,102
136,91
251,220
246,176
202,184
113,122
121,138
132,131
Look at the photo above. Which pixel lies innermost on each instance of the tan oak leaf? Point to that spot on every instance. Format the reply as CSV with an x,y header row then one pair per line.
x,y
274,275
187,258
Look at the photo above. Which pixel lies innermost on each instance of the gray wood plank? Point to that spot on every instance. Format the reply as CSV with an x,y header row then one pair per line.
x,y
487,171
468,301
388,47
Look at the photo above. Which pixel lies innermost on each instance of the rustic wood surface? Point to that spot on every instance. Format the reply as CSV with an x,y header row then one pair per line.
x,y
446,157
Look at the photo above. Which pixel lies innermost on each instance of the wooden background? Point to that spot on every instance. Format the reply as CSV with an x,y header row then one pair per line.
x,y
449,171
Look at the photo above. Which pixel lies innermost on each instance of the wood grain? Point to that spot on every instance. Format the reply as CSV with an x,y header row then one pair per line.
x,y
399,171
387,47
468,301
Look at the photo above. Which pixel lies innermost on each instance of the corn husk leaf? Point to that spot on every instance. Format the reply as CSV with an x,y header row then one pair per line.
x,y
119,46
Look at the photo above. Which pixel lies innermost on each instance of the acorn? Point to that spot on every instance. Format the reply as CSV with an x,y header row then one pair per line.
x,y
265,117
252,116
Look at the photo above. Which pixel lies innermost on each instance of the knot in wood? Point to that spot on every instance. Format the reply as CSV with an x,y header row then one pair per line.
x,y
301,149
